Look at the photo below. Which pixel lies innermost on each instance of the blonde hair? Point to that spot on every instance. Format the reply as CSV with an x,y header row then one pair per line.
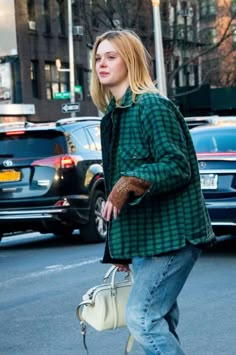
x,y
137,60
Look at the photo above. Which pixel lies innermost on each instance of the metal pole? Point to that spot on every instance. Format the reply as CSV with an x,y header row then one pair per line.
x,y
159,54
71,55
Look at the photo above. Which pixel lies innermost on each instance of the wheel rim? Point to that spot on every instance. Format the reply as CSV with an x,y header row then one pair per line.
x,y
101,225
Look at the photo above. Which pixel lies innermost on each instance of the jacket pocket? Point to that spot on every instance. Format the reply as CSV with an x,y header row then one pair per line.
x,y
133,156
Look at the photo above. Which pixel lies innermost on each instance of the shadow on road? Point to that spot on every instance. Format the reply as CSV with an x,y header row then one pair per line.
x,y
38,241
27,241
225,245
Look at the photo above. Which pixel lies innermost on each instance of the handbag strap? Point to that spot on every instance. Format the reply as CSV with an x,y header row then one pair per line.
x,y
129,344
112,272
83,332
108,273
82,324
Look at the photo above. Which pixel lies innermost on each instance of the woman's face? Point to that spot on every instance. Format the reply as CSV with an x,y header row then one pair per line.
x,y
110,67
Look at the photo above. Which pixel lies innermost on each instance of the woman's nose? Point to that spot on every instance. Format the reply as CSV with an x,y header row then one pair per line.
x,y
103,62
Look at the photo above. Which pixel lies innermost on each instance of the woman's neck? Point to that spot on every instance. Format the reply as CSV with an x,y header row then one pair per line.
x,y
119,92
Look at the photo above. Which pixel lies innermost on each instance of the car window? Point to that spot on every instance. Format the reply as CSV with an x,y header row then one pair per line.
x,y
81,138
94,137
226,143
220,141
32,144
72,143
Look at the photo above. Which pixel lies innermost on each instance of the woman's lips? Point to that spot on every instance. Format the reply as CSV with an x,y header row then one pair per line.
x,y
103,73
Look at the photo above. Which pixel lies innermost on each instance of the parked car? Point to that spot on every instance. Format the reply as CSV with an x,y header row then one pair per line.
x,y
51,178
196,121
216,152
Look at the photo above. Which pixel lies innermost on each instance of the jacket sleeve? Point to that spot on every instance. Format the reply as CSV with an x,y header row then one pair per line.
x,y
168,139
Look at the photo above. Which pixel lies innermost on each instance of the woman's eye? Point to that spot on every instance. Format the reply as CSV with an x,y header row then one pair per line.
x,y
97,59
111,57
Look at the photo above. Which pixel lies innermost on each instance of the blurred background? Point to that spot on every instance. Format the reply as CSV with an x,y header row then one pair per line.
x,y
45,53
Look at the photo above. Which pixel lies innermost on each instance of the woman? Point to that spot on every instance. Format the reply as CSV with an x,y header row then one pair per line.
x,y
155,210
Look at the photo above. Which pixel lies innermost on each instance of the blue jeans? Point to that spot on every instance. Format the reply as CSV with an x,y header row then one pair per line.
x,y
152,312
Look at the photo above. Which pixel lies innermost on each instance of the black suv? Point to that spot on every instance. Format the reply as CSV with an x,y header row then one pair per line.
x,y
51,178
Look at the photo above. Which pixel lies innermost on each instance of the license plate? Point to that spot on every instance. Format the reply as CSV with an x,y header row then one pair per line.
x,y
9,175
209,181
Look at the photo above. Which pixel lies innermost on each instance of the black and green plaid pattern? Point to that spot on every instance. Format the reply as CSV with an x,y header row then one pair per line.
x,y
150,140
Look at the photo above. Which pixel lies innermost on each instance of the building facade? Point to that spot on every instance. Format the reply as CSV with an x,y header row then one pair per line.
x,y
199,41
42,43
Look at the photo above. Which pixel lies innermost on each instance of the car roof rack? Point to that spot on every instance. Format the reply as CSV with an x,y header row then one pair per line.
x,y
15,125
196,121
63,121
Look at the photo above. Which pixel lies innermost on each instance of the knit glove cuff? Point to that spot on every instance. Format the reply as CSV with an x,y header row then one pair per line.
x,y
125,187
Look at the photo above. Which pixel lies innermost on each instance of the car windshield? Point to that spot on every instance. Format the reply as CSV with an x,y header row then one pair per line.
x,y
32,144
213,141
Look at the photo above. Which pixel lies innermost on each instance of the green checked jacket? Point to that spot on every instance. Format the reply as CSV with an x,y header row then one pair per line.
x,y
150,140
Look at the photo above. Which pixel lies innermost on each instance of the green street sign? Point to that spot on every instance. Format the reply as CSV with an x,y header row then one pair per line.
x,y
78,89
66,95
61,95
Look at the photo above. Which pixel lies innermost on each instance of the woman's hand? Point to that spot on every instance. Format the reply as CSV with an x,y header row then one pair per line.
x,y
122,267
121,192
109,210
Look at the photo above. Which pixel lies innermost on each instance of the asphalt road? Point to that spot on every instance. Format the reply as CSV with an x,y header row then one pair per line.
x,y
43,279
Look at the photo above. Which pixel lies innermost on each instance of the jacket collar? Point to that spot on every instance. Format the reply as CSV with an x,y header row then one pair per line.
x,y
126,101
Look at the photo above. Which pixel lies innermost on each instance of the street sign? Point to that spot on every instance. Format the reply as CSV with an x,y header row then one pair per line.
x,y
61,95
66,95
78,89
71,107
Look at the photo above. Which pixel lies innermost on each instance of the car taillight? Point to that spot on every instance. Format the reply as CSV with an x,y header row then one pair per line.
x,y
64,162
14,133
61,203
67,162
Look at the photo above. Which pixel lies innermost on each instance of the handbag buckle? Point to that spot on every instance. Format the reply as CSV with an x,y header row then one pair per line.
x,y
113,291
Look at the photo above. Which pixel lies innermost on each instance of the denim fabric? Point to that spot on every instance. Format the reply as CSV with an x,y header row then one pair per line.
x,y
152,312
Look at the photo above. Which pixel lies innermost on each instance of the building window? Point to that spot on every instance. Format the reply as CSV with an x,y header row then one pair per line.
x,y
34,69
209,36
56,81
31,10
207,8
233,7
203,8
234,37
210,70
213,35
61,17
45,16
176,65
234,33
212,7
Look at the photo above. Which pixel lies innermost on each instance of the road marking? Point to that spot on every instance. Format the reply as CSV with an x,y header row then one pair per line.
x,y
53,266
48,270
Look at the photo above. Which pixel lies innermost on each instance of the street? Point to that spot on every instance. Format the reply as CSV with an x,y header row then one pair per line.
x,y
43,279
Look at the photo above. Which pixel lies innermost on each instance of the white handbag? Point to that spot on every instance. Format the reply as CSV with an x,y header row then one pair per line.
x,y
103,306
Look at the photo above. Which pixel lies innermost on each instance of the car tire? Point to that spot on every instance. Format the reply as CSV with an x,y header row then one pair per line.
x,y
95,231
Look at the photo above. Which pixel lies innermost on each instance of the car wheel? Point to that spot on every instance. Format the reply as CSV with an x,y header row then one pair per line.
x,y
95,231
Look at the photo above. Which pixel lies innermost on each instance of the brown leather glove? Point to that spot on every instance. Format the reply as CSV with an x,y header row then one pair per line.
x,y
125,187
